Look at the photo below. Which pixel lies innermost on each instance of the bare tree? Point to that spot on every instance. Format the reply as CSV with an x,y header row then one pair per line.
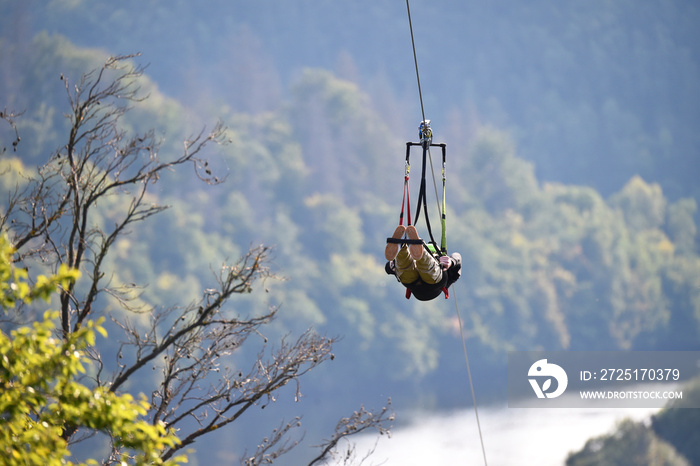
x,y
51,221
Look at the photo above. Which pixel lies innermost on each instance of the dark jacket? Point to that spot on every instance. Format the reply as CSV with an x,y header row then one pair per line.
x,y
425,291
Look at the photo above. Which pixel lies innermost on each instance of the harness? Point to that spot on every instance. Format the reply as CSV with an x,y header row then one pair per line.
x,y
425,134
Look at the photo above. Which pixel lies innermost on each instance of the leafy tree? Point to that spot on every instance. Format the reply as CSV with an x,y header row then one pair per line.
x,y
681,227
631,443
643,205
73,213
339,133
40,394
497,177
679,422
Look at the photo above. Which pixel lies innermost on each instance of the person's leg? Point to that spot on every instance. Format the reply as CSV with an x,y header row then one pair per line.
x,y
392,249
415,249
429,269
426,266
405,267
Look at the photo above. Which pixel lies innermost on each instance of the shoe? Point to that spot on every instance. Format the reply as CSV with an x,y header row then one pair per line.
x,y
392,249
416,250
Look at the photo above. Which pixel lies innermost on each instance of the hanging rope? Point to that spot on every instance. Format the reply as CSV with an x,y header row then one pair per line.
x,y
459,318
415,60
420,96
469,374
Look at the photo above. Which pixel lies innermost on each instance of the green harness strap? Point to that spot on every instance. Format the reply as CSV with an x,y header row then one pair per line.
x,y
443,240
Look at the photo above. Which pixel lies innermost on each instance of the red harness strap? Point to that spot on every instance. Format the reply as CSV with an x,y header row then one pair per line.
x,y
406,201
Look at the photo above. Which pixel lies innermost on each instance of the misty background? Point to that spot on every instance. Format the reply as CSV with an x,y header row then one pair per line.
x,y
573,155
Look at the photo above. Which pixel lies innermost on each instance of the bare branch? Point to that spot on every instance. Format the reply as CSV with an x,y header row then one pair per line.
x,y
273,446
10,117
52,217
236,393
359,422
231,280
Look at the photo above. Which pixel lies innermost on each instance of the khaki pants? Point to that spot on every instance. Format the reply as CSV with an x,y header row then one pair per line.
x,y
426,268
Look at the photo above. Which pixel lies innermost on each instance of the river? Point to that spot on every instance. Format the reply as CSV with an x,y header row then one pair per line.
x,y
512,436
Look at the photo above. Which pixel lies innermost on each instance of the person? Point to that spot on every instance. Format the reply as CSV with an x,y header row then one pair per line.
x,y
418,270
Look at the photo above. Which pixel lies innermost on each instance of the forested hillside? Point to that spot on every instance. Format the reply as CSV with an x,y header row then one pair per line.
x,y
668,439
572,147
593,93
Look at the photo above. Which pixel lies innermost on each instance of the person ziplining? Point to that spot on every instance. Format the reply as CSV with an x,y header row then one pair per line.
x,y
423,276
423,268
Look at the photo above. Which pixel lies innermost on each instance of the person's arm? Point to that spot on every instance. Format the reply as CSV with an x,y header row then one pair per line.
x,y
445,262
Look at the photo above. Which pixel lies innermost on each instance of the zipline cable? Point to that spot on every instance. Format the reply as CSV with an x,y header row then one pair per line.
x,y
420,96
459,317
415,60
469,374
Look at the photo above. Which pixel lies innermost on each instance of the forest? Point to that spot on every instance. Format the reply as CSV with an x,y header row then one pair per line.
x,y
572,163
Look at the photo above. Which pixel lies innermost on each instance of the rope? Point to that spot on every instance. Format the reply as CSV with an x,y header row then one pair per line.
x,y
415,59
459,318
420,96
469,374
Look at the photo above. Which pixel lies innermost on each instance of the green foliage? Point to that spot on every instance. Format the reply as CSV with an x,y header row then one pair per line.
x,y
671,439
679,422
340,135
40,396
559,267
642,204
495,175
632,443
14,286
13,174
681,225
